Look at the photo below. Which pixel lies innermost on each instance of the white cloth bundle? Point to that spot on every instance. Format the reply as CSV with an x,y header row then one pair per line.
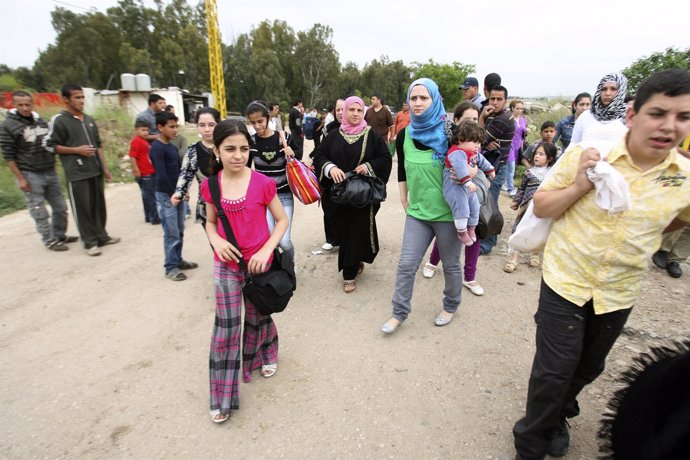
x,y
612,191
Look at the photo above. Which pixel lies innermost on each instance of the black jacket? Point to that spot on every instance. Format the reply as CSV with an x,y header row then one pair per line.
x,y
21,141
295,121
67,130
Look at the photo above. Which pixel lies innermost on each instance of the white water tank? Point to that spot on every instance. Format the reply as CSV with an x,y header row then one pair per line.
x,y
128,82
143,82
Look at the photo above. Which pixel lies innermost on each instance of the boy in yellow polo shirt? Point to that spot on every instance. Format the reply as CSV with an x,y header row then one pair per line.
x,y
594,262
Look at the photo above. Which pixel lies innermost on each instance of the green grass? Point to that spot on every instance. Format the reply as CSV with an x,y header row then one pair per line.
x,y
116,128
534,121
11,198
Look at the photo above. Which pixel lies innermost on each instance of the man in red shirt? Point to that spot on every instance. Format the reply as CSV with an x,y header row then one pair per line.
x,y
143,170
402,119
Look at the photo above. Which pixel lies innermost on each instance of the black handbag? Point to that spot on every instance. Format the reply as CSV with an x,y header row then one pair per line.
x,y
490,218
359,190
271,290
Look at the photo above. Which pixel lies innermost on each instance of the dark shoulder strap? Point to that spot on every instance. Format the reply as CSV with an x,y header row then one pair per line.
x,y
229,235
364,144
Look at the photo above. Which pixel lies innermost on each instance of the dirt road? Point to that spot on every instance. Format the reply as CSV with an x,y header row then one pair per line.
x,y
102,357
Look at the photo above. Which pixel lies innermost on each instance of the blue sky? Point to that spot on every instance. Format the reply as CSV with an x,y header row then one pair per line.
x,y
540,48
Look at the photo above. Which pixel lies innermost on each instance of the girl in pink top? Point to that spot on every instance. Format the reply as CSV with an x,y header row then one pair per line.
x,y
245,195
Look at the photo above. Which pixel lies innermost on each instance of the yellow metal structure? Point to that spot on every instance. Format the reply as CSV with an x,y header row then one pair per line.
x,y
215,58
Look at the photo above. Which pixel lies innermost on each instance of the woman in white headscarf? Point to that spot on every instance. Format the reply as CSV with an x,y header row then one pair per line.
x,y
603,125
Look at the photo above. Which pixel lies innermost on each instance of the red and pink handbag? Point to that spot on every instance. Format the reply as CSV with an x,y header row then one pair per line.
x,y
302,180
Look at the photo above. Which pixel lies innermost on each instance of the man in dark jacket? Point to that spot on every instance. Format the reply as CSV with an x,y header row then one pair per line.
x,y
74,136
500,128
21,138
295,124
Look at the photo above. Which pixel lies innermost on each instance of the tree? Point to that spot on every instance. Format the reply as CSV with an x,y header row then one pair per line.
x,y
316,62
93,49
448,77
387,79
641,69
86,50
239,81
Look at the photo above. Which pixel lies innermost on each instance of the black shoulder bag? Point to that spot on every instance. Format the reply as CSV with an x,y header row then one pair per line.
x,y
359,190
270,291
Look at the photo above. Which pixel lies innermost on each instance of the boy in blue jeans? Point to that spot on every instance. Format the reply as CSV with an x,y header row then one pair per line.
x,y
166,162
143,172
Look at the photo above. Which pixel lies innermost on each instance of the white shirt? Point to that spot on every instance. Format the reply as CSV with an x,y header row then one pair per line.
x,y
602,135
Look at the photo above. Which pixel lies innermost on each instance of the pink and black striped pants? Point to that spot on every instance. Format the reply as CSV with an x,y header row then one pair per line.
x,y
259,341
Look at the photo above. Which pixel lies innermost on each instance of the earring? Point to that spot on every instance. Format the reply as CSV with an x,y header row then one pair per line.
x,y
217,159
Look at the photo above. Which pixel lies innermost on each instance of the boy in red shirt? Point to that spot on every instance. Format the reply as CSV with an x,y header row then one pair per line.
x,y
143,171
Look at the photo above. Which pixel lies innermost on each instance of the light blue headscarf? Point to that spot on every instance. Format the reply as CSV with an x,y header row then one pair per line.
x,y
428,128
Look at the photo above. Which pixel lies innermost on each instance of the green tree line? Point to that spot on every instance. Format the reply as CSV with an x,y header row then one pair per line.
x,y
272,61
169,42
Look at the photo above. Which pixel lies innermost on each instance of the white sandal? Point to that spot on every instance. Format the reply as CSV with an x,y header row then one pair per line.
x,y
217,417
269,370
474,287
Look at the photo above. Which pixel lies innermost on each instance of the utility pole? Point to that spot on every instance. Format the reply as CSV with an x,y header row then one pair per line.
x,y
215,58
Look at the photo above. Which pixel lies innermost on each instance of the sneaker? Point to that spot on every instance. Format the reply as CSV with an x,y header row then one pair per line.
x,y
68,239
561,440
155,222
474,287
465,238
327,247
176,275
93,251
428,270
186,265
57,246
110,240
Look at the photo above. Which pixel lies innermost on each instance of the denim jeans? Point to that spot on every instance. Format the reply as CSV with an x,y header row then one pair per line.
x,y
147,185
572,345
488,243
510,176
285,242
172,220
416,239
45,186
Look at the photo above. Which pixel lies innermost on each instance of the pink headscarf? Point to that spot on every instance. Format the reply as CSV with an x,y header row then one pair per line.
x,y
346,126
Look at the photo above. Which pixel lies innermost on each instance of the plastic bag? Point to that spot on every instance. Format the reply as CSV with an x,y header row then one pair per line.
x,y
532,232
